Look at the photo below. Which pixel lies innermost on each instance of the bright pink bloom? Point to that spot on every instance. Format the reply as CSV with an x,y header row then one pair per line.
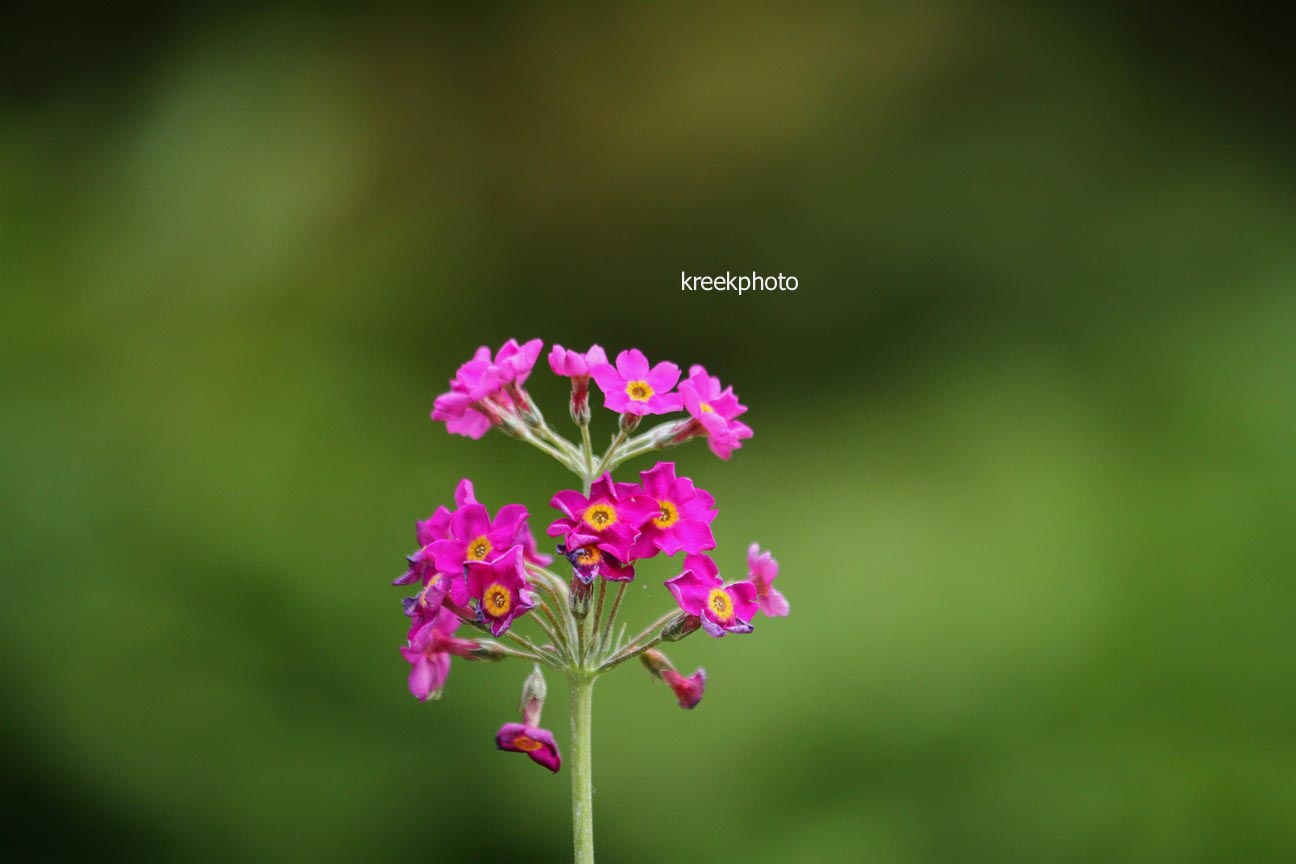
x,y
530,550
500,588
430,662
573,364
514,362
477,392
761,569
604,519
590,561
700,591
688,691
683,516
535,742
475,537
714,410
422,564
631,387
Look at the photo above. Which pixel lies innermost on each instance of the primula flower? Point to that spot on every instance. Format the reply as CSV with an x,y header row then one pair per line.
x,y
430,662
603,519
713,410
422,564
683,516
500,588
533,741
573,364
761,569
688,691
631,387
477,392
475,537
591,561
700,591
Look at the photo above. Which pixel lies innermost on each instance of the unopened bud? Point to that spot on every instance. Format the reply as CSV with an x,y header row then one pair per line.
x,y
580,410
486,651
580,596
534,691
525,407
679,627
630,422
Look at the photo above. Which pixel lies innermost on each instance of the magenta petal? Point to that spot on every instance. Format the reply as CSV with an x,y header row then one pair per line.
x,y
570,502
632,365
690,591
449,555
463,494
663,377
470,522
607,378
772,603
693,537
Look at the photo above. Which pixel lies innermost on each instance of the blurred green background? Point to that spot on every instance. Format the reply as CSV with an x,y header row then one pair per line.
x,y
1023,436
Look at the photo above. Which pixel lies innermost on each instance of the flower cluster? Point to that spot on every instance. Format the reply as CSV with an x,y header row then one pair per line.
x,y
485,570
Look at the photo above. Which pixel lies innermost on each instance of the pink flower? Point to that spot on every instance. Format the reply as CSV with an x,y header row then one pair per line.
x,y
604,519
422,564
475,537
477,392
714,411
683,516
761,569
514,362
688,691
632,388
500,588
430,662
700,591
530,550
535,742
573,364
590,561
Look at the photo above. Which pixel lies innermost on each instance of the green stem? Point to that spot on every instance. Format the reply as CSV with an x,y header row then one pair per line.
x,y
582,772
611,619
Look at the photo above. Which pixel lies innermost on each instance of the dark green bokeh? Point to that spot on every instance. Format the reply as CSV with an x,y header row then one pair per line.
x,y
1023,436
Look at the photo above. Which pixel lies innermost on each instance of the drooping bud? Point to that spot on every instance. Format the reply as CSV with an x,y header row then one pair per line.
x,y
679,627
533,697
688,691
655,662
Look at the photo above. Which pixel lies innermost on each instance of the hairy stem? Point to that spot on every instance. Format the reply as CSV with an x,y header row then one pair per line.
x,y
582,772
611,619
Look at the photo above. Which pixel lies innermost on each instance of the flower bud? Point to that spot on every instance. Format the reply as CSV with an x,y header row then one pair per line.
x,y
486,651
534,691
630,422
580,410
580,596
526,408
679,627
688,691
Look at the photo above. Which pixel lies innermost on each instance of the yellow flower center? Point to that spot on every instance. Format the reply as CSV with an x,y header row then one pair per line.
x,y
720,603
600,516
639,391
589,556
478,549
706,409
668,515
496,600
526,745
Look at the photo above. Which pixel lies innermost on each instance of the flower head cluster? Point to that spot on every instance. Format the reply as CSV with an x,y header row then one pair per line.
x,y
478,569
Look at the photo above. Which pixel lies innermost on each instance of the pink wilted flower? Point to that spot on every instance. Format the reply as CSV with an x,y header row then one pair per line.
x,y
430,662
688,691
603,518
475,537
683,516
533,741
500,588
700,591
761,569
713,410
631,387
422,564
